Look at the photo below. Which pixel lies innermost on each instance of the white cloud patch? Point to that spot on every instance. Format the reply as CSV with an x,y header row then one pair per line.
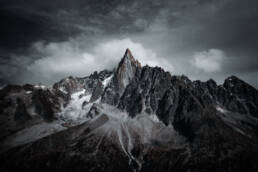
x,y
208,61
70,58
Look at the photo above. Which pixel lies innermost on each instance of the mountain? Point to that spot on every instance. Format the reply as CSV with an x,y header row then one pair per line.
x,y
135,118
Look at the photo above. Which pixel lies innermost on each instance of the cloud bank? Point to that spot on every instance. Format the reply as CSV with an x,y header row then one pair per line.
x,y
71,58
78,37
208,61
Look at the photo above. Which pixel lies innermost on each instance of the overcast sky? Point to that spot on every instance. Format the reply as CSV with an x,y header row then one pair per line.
x,y
44,41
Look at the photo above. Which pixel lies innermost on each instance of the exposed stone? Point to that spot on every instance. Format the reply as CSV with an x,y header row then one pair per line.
x,y
124,74
90,82
96,94
68,85
47,104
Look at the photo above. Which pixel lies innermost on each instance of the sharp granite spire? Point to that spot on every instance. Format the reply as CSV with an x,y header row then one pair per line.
x,y
124,74
126,70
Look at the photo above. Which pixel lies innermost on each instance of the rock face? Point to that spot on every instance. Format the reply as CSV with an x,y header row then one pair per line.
x,y
137,119
68,85
46,104
245,94
25,106
97,92
123,75
125,71
90,82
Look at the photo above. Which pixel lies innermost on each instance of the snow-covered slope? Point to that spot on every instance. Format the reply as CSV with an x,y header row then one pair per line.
x,y
75,111
79,106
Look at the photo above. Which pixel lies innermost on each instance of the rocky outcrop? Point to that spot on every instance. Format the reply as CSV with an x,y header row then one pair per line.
x,y
123,75
46,104
90,82
94,111
68,85
28,105
97,92
145,91
71,84
245,96
125,71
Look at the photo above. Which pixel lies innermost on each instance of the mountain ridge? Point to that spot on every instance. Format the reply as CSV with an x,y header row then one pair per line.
x,y
135,118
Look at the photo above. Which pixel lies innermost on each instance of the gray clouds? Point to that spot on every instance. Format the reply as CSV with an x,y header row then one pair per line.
x,y
201,39
208,61
74,57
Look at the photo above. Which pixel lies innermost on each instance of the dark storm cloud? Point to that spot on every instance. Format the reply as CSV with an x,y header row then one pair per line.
x,y
56,20
189,35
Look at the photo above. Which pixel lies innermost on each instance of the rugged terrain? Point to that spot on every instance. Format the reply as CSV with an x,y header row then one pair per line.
x,y
135,118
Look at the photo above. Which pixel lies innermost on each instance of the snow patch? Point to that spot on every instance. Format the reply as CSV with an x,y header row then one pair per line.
x,y
107,81
154,118
40,86
63,90
75,111
222,110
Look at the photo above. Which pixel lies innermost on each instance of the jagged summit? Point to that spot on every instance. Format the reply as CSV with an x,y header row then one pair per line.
x,y
128,56
123,75
126,70
233,80
132,119
128,53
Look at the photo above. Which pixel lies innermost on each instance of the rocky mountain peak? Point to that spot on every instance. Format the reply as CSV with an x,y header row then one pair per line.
x,y
128,58
122,77
238,86
232,80
126,70
144,118
128,53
